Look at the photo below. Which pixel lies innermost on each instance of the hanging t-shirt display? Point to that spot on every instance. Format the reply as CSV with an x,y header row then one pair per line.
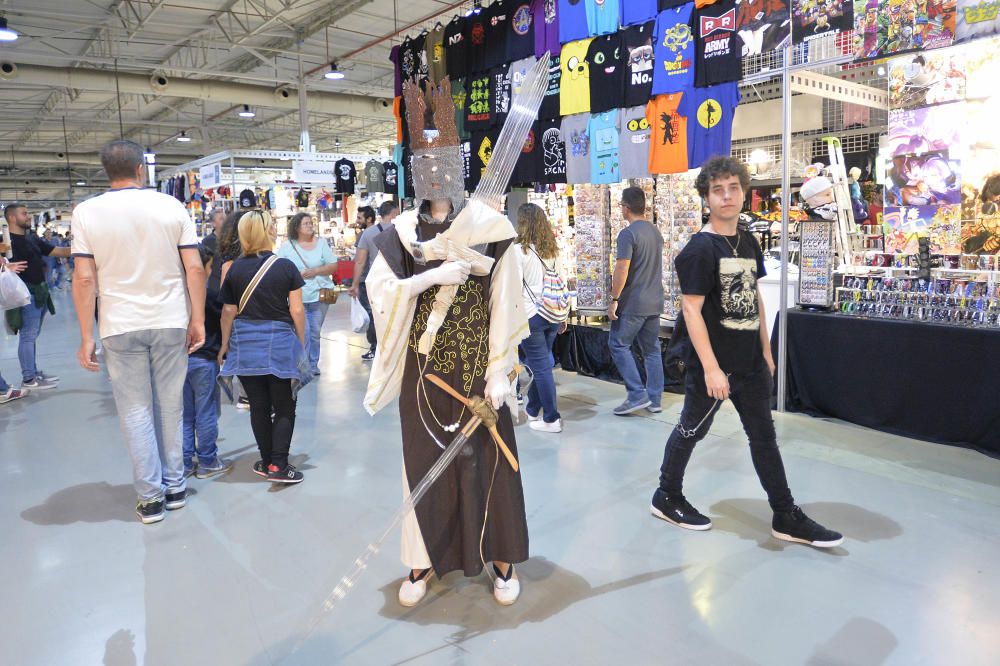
x,y
576,135
478,108
482,151
675,51
456,48
529,164
301,198
668,142
572,20
374,176
499,94
815,20
401,168
718,49
465,148
633,143
602,16
459,97
553,152
521,32
550,103
497,28
604,156
574,94
347,175
638,51
420,55
397,67
763,25
408,60
475,42
391,178
519,72
710,114
546,27
607,72
434,52
634,12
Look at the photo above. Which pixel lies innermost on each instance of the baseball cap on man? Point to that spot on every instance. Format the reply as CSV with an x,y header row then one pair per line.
x,y
248,199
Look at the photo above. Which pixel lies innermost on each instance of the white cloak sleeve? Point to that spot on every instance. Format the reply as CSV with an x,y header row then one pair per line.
x,y
508,320
393,304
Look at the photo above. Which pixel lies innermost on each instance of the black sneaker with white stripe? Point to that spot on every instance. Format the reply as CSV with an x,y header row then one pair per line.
x,y
797,527
286,474
678,511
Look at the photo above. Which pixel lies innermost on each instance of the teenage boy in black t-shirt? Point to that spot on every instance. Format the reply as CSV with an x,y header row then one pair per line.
x,y
729,358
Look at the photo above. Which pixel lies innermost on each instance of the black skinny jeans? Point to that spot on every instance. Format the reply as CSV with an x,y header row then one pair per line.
x,y
269,394
751,395
367,305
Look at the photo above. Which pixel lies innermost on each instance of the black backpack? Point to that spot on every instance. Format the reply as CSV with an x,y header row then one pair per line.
x,y
678,350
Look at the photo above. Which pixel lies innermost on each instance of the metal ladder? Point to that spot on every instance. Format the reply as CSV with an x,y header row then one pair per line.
x,y
842,197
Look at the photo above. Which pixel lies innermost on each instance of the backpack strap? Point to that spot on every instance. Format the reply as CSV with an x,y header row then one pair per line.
x,y
258,276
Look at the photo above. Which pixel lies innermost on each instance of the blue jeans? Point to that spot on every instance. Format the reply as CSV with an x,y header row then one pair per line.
x,y
56,272
4,386
315,314
31,327
537,348
201,410
646,331
147,371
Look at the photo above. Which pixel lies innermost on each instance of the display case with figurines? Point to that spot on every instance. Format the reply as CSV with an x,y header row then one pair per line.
x,y
678,215
953,298
593,267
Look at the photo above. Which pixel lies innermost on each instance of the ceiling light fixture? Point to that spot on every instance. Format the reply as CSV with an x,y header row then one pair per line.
x,y
246,112
183,138
81,183
334,74
6,34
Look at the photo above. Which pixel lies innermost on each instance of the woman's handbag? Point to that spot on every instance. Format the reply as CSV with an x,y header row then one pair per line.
x,y
326,295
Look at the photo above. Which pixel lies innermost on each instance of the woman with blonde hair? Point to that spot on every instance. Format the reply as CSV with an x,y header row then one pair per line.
x,y
537,250
263,341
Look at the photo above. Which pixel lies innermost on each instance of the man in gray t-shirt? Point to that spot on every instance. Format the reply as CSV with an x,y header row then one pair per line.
x,y
367,251
636,306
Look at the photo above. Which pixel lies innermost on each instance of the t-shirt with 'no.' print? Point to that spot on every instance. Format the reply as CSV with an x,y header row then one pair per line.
x,y
604,154
606,61
572,20
576,135
668,147
637,43
633,144
709,113
574,95
675,51
718,47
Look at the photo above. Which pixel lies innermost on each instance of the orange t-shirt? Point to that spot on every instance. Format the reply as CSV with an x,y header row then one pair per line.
x,y
397,111
668,152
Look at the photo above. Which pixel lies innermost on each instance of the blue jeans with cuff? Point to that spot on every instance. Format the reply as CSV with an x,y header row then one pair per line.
x,y
315,314
31,328
201,411
537,348
646,331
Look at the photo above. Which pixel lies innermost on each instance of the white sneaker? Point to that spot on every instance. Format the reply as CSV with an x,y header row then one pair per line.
x,y
411,592
506,592
533,418
542,426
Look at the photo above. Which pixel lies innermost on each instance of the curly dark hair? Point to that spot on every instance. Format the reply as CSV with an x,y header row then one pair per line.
x,y
295,223
229,238
534,230
719,167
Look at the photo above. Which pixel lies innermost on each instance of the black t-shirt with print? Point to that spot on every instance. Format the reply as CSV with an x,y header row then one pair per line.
x,y
607,72
301,198
528,169
497,29
409,60
475,40
520,30
482,151
550,103
706,267
419,46
499,94
553,157
637,42
269,302
390,179
456,48
31,249
718,49
478,105
347,175
407,173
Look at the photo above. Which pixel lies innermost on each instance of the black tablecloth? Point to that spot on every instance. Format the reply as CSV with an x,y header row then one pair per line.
x,y
924,381
584,349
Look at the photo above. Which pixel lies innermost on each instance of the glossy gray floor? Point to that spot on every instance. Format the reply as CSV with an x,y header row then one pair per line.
x,y
239,575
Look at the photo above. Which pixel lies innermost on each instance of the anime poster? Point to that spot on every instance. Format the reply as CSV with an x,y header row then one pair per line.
x,y
930,179
945,230
928,129
924,79
982,68
976,18
866,29
812,19
980,208
905,226
912,25
763,25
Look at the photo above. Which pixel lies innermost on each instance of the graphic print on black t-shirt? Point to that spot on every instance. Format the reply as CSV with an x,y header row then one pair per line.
x,y
553,152
638,44
550,103
607,73
477,109
763,25
391,177
719,49
347,174
455,48
521,36
500,94
738,283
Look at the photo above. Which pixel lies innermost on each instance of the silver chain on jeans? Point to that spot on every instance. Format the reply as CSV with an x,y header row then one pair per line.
x,y
688,434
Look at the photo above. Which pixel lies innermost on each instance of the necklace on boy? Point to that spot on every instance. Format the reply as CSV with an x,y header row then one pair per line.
x,y
732,247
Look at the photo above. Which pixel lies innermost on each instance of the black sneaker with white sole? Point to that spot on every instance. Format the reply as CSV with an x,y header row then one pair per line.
x,y
260,468
797,527
150,512
176,500
678,511
286,474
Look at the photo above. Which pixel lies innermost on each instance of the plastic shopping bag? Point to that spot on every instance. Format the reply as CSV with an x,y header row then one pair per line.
x,y
13,292
359,317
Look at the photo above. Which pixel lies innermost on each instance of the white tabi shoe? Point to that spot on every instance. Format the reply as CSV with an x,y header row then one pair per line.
x,y
506,592
414,589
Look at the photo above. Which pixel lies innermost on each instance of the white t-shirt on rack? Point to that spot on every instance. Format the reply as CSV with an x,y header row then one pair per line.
x,y
135,237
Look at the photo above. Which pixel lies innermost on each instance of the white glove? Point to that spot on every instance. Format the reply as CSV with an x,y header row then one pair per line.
x,y
498,387
448,273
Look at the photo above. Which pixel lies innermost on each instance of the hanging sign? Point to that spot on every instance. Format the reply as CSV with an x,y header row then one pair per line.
x,y
313,171
211,176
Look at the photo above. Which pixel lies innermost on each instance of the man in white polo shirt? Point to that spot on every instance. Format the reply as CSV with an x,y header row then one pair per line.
x,y
138,251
